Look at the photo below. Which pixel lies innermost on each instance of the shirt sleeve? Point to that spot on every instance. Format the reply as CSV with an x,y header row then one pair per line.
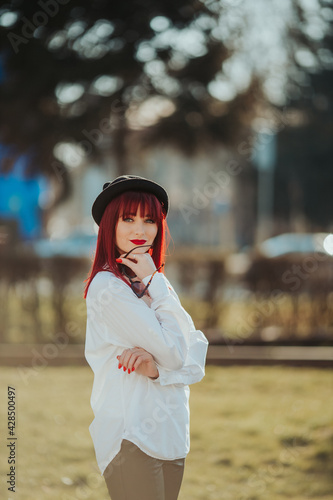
x,y
194,367
162,329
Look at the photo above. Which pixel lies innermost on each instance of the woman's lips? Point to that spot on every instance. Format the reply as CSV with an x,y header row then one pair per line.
x,y
138,242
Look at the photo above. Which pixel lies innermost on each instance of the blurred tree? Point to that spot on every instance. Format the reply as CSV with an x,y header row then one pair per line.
x,y
301,119
86,74
72,71
304,174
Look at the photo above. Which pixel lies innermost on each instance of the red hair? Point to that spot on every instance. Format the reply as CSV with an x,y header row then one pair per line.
x,y
124,205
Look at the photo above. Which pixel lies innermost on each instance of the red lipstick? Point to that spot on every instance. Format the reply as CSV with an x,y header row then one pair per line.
x,y
138,242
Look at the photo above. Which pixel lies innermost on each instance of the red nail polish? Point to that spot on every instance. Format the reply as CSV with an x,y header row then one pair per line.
x,y
133,369
119,366
129,371
124,368
118,357
119,260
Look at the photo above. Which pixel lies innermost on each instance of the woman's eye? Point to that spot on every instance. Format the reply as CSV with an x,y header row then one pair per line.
x,y
151,221
127,219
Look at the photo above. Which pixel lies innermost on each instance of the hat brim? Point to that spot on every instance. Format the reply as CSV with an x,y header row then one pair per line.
x,y
115,189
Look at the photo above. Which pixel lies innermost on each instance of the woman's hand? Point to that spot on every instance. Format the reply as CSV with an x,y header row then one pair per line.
x,y
141,263
138,360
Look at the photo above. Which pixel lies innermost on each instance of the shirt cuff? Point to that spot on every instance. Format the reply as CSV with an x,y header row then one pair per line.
x,y
167,377
158,287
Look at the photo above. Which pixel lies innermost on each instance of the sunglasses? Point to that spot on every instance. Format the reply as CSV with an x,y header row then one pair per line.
x,y
137,286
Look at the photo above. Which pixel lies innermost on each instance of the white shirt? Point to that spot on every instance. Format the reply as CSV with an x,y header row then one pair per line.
x,y
153,414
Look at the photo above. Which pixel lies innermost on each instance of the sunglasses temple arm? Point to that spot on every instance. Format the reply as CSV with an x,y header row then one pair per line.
x,y
139,246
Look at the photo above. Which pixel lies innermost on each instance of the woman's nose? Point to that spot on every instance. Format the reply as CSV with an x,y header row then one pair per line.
x,y
139,229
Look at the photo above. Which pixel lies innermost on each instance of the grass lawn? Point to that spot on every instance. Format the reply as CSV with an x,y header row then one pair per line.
x,y
256,433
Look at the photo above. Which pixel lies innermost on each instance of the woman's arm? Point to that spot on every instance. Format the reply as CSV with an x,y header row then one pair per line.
x,y
194,368
143,363
124,320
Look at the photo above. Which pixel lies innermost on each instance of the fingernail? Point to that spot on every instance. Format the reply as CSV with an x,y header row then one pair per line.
x,y
119,366
118,357
133,369
129,370
119,260
124,368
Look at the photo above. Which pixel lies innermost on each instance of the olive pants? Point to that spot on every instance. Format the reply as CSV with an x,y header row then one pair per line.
x,y
133,475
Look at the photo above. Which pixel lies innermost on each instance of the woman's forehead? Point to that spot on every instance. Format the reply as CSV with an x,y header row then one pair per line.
x,y
136,209
134,213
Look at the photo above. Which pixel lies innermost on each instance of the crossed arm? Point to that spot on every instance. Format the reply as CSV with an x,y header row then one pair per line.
x,y
160,342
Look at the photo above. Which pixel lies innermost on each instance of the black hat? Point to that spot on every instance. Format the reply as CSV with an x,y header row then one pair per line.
x,y
127,183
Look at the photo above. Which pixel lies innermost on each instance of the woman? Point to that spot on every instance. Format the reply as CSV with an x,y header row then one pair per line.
x,y
141,345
